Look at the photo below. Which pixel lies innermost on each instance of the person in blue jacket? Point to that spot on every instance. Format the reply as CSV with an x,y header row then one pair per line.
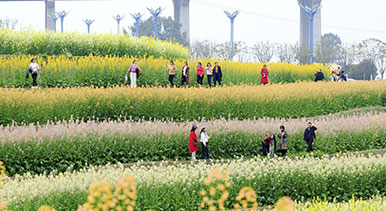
x,y
217,74
309,136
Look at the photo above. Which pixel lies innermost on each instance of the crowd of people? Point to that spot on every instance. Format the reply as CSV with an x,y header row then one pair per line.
x,y
339,75
269,144
213,74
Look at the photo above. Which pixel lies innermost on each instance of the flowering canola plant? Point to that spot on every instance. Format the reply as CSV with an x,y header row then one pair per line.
x,y
29,42
99,71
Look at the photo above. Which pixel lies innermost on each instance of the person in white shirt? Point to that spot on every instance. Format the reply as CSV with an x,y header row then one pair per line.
x,y
209,73
33,69
204,139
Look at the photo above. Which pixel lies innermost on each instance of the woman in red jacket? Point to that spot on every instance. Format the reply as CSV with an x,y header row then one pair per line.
x,y
200,73
193,142
264,75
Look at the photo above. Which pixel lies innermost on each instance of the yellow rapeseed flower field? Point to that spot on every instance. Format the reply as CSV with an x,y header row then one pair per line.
x,y
30,42
98,71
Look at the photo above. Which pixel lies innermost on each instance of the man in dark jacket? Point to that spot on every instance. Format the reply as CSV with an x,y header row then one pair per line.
x,y
319,76
217,74
343,77
309,136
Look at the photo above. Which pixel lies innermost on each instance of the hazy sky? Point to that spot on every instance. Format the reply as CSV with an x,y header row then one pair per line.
x,y
259,20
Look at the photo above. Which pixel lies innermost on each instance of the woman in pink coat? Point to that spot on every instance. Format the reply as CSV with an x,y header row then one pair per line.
x,y
193,142
264,75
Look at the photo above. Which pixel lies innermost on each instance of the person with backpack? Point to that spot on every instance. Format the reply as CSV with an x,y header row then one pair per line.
x,y
193,142
282,135
309,136
200,73
217,74
172,72
264,75
268,145
204,139
209,73
135,72
185,74
33,70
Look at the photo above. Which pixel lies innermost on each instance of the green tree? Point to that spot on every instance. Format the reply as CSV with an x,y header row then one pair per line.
x,y
168,29
363,71
8,23
374,50
328,49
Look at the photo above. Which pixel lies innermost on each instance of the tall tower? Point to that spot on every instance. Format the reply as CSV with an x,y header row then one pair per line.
x,y
50,14
181,14
305,23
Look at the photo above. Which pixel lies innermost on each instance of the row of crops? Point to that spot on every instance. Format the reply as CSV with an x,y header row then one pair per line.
x,y
49,43
241,102
71,144
187,186
106,71
57,147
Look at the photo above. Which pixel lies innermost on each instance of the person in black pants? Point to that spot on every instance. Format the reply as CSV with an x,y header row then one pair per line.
x,y
204,139
172,73
33,70
309,136
319,76
209,73
200,73
217,74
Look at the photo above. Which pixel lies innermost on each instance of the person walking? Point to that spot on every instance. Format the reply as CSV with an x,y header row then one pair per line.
x,y
217,74
185,74
268,145
209,73
134,71
33,70
319,76
264,75
200,73
283,141
193,142
172,73
204,139
309,136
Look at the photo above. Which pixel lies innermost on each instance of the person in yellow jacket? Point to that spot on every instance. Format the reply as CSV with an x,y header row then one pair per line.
x,y
172,72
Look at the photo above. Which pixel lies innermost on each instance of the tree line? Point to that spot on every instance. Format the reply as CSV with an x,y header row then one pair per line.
x,y
362,61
